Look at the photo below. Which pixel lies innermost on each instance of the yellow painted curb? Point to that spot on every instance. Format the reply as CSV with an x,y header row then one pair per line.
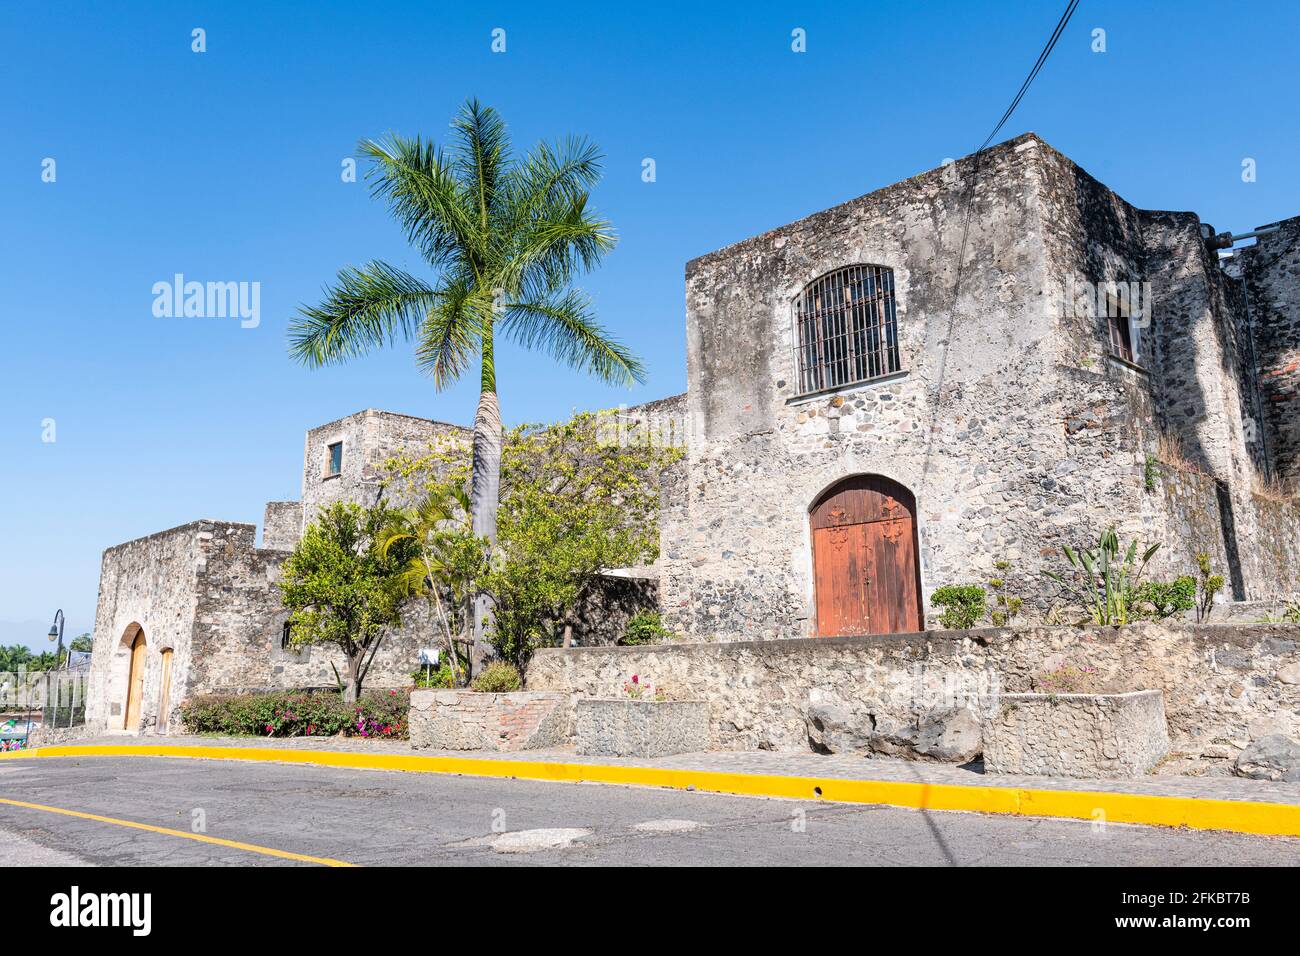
x,y
1240,816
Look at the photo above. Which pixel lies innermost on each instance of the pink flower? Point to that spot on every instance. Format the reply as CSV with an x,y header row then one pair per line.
x,y
635,679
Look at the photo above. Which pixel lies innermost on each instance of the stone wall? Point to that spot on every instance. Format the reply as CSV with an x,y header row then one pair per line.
x,y
466,720
603,614
1012,421
1076,735
1271,273
1224,685
205,592
369,439
737,560
282,525
147,584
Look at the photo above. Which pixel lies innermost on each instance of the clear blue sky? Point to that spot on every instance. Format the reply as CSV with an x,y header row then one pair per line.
x,y
225,166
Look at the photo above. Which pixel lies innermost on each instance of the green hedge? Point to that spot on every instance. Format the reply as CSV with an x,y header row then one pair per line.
x,y
380,713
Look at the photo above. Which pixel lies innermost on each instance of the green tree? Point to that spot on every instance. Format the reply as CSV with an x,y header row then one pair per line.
x,y
340,588
83,643
505,236
16,655
446,563
573,505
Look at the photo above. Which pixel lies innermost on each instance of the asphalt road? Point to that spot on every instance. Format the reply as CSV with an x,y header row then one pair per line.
x,y
370,817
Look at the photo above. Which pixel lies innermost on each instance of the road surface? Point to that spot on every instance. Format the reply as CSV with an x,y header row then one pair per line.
x,y
301,815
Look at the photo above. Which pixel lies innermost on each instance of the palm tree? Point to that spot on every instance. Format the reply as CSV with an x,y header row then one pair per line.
x,y
445,560
505,236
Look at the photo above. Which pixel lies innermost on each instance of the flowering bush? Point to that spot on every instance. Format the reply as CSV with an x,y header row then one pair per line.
x,y
636,689
298,714
1068,679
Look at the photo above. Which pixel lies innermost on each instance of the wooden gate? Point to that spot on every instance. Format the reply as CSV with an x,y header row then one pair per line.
x,y
135,684
865,569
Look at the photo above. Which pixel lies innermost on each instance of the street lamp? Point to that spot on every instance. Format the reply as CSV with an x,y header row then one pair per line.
x,y
56,634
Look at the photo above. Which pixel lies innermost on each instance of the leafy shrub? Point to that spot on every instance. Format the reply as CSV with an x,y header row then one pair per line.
x,y
1208,585
1006,605
1168,598
963,605
645,627
434,677
298,714
499,677
1291,614
1105,579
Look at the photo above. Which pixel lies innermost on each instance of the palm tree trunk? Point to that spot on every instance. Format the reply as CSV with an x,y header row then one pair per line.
x,y
485,490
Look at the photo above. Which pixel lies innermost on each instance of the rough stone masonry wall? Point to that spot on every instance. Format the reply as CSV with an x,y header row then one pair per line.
x,y
282,525
1194,383
239,622
1224,685
148,584
980,458
369,439
1040,436
1271,272
205,592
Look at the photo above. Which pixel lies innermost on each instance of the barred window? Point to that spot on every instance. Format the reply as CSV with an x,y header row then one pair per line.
x,y
846,330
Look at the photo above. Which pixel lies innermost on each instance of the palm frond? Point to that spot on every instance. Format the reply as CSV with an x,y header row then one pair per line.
x,y
419,183
366,308
452,331
556,246
565,326
550,174
481,157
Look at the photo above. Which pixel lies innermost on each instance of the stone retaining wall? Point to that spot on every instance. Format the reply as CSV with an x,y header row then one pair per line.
x,y
1076,735
641,728
1224,685
467,720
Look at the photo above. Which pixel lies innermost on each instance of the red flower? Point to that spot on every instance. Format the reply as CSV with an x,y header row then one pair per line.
x,y
634,679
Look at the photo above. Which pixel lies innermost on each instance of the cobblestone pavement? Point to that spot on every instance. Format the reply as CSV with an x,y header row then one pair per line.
x,y
777,763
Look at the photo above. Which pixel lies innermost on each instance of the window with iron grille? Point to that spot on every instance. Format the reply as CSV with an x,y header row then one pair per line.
x,y
846,329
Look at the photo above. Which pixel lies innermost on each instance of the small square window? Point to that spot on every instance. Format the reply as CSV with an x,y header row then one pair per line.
x,y
334,460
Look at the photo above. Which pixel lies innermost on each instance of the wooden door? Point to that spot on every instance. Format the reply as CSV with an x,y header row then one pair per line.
x,y
165,691
135,684
866,573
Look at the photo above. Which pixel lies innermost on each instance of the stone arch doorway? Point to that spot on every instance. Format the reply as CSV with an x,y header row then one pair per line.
x,y
134,678
866,571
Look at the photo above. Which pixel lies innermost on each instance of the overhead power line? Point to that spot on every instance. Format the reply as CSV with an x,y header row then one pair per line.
x,y
970,202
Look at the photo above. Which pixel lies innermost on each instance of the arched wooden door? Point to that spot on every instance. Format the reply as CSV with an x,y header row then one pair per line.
x,y
135,684
867,577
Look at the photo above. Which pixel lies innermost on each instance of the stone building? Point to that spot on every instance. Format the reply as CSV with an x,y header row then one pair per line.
x,y
981,364
196,609
870,420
